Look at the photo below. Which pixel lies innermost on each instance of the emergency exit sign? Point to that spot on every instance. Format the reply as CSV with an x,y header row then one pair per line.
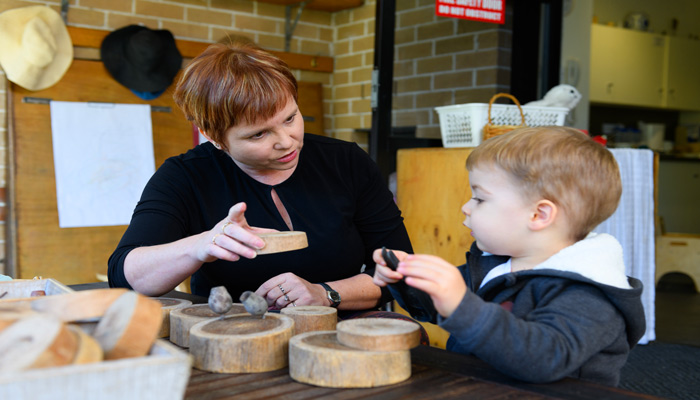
x,y
478,10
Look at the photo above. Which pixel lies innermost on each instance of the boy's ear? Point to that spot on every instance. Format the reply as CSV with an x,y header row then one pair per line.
x,y
544,214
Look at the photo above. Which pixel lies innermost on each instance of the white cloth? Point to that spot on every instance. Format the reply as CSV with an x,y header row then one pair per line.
x,y
633,225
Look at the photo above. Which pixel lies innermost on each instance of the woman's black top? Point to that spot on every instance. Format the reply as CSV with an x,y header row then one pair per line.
x,y
336,195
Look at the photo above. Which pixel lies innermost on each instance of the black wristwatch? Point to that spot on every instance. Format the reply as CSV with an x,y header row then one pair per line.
x,y
333,296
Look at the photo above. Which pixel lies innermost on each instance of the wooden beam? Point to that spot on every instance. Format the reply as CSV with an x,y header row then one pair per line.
x,y
320,5
84,37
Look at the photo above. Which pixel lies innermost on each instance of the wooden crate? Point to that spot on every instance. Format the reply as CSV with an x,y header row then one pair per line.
x,y
19,290
163,374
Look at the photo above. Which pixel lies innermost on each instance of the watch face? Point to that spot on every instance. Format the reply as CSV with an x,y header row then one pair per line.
x,y
334,296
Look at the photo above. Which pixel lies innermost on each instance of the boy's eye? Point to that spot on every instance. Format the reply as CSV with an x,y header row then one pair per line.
x,y
477,200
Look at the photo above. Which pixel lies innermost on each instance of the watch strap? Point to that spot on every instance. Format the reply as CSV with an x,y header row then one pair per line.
x,y
330,294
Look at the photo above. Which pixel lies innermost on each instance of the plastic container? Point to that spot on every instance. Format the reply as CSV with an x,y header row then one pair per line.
x,y
462,125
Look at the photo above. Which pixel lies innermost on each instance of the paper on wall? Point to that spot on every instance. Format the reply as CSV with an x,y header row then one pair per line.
x,y
103,157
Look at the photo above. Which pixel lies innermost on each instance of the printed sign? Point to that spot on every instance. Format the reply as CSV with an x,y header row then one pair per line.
x,y
493,11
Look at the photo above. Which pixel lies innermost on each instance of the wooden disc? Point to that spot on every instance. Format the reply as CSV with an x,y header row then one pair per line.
x,y
37,341
183,319
317,358
8,316
167,305
129,326
241,343
77,306
89,350
86,326
278,242
312,318
379,334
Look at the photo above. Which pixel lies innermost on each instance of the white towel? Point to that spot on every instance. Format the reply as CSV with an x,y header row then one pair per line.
x,y
633,225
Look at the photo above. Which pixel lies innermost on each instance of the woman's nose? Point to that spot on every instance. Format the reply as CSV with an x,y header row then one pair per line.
x,y
285,140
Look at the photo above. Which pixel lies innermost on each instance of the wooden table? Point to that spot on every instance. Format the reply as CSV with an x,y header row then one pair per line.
x,y
436,374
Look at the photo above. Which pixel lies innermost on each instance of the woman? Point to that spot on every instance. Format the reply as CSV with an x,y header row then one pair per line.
x,y
201,212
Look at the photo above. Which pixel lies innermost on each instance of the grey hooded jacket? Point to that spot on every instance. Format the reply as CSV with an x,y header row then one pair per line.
x,y
575,315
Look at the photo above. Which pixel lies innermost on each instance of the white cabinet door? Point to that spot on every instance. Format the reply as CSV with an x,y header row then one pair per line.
x,y
682,76
627,67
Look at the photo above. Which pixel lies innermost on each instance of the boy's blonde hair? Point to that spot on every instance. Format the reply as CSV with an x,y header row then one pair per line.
x,y
559,164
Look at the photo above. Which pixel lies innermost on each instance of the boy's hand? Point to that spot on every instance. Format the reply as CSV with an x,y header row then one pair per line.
x,y
433,275
384,275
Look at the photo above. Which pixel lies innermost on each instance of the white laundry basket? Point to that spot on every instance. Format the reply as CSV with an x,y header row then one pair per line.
x,y
462,125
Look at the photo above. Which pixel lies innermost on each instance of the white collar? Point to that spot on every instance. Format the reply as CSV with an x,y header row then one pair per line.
x,y
598,257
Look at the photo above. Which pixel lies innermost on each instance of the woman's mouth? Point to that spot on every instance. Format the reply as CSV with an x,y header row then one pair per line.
x,y
289,157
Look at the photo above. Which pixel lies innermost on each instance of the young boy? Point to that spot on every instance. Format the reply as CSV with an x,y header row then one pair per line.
x,y
540,297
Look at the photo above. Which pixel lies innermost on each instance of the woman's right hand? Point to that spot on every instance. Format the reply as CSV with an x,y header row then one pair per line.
x,y
232,238
384,275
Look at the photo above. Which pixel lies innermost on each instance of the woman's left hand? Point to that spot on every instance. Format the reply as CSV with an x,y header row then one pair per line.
x,y
289,290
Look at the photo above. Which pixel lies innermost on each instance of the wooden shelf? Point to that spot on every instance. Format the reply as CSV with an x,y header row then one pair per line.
x,y
320,5
83,37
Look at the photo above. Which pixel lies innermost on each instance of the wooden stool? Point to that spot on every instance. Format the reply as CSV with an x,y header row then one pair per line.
x,y
678,253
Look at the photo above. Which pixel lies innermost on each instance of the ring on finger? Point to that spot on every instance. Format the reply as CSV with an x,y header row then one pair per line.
x,y
282,290
294,304
213,240
286,298
223,228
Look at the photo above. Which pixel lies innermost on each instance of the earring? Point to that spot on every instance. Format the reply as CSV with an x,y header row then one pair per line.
x,y
218,146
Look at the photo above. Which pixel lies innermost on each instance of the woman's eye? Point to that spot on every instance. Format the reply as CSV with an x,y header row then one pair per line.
x,y
258,135
291,118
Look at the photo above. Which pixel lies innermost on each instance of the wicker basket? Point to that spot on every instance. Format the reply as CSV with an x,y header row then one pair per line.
x,y
462,125
491,129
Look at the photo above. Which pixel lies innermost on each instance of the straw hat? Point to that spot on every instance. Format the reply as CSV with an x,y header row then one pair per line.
x,y
142,59
35,47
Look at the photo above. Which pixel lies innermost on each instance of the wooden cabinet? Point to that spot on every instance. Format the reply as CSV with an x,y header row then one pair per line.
x,y
432,186
626,67
637,68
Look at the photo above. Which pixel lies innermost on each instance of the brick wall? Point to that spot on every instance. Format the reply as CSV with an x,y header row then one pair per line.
x,y
352,75
198,20
439,61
